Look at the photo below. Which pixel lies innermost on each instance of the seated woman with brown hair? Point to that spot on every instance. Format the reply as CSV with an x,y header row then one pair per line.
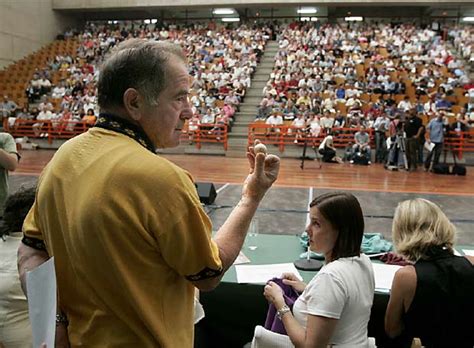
x,y
334,308
429,300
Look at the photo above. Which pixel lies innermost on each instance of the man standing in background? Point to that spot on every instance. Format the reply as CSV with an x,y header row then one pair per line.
x,y
436,129
413,130
381,126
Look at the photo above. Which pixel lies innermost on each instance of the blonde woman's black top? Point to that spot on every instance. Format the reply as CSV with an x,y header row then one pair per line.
x,y
441,311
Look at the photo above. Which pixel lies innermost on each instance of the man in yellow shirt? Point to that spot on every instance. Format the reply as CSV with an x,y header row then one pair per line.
x,y
126,228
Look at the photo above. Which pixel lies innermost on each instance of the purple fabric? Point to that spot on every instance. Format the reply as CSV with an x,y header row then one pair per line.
x,y
290,295
394,259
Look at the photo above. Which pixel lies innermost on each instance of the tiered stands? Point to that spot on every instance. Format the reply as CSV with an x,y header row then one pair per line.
x,y
15,78
222,61
380,65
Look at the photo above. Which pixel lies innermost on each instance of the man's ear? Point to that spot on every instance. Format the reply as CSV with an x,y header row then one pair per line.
x,y
132,102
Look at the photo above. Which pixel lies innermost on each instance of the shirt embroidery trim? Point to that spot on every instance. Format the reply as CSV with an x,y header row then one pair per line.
x,y
206,273
34,243
120,125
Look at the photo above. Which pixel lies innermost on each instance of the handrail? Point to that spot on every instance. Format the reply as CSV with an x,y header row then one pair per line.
x,y
283,136
60,129
47,129
206,133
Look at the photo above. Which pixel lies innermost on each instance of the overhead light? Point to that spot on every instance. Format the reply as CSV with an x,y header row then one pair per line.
x,y
468,19
354,19
231,19
154,20
223,11
147,21
307,19
307,10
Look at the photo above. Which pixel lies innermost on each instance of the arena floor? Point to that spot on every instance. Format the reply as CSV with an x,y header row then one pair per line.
x,y
285,207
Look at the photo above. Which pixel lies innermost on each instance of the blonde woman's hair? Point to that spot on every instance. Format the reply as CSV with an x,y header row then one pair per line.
x,y
418,226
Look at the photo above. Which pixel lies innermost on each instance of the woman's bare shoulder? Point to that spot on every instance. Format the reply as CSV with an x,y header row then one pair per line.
x,y
470,258
406,277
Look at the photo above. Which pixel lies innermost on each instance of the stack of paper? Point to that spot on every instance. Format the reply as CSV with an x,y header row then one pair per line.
x,y
262,273
41,288
241,258
384,276
468,252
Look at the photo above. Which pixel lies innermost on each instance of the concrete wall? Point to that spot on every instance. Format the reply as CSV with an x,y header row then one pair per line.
x,y
27,25
117,4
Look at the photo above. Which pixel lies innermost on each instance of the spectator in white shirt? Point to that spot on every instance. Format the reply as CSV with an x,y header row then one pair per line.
x,y
405,104
274,119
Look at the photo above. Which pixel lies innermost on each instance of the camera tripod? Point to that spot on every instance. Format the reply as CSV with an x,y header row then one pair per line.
x,y
400,146
305,146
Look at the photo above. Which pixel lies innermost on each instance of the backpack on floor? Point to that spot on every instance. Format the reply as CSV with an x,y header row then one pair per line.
x,y
361,158
441,168
458,169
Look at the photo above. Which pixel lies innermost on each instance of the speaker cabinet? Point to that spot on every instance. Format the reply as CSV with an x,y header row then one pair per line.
x,y
206,192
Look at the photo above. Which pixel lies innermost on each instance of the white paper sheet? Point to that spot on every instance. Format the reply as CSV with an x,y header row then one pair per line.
x,y
263,273
241,258
429,146
41,288
198,311
384,276
371,256
264,338
468,252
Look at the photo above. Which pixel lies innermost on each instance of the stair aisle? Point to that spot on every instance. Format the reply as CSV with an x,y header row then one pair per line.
x,y
248,109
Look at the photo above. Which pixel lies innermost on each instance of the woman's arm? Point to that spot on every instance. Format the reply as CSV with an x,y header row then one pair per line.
x,y
9,161
401,296
319,329
318,332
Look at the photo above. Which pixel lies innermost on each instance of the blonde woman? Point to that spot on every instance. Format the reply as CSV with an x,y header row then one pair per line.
x,y
428,299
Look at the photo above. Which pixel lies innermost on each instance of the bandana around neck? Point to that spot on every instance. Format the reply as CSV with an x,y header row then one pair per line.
x,y
121,125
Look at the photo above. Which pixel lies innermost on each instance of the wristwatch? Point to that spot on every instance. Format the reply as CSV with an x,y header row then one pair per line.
x,y
61,319
282,311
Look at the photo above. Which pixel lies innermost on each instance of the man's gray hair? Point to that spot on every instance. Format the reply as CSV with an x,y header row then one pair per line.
x,y
136,63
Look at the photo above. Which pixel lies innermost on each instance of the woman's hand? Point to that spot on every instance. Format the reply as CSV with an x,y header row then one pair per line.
x,y
292,280
263,173
274,294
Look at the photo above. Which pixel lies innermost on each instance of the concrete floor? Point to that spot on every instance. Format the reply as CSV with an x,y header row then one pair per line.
x,y
284,210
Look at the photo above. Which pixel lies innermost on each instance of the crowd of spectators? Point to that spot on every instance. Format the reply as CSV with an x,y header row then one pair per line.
x,y
325,76
339,75
335,67
222,63
463,40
